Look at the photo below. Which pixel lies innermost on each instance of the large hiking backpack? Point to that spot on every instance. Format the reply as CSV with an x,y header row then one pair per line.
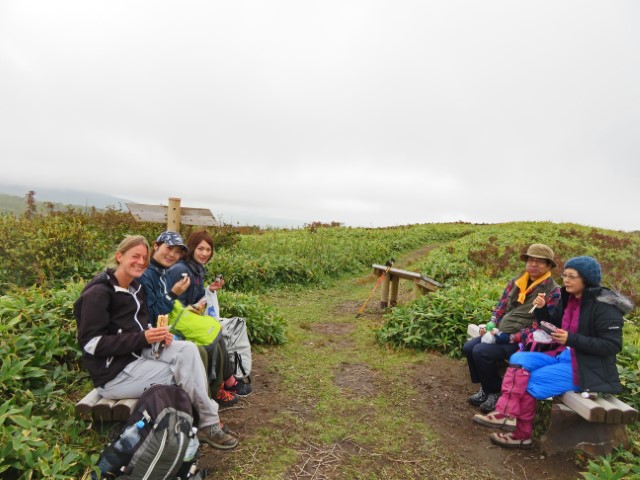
x,y
236,338
169,419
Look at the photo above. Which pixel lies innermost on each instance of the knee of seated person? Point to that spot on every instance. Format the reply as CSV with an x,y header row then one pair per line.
x,y
517,359
468,347
188,346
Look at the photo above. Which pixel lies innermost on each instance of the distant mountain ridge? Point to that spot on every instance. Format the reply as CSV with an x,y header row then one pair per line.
x,y
70,197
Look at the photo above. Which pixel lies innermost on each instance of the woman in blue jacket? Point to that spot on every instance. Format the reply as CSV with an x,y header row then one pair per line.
x,y
588,329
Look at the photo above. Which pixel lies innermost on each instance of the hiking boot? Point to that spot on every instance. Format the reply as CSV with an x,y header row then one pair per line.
x,y
489,405
506,440
214,436
241,388
477,398
495,420
226,399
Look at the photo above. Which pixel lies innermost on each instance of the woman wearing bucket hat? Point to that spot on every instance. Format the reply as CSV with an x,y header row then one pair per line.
x,y
511,315
588,324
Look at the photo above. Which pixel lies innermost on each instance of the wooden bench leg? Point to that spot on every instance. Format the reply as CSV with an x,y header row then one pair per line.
x,y
395,282
568,431
384,292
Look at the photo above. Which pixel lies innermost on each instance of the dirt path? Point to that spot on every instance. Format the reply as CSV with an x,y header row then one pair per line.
x,y
439,387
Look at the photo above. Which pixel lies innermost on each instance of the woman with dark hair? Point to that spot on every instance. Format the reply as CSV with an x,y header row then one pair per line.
x,y
193,264
587,324
115,338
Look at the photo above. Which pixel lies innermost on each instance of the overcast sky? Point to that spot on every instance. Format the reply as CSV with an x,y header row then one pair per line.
x,y
370,113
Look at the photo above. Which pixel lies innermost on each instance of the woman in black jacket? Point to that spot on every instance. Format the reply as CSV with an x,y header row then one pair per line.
x,y
587,325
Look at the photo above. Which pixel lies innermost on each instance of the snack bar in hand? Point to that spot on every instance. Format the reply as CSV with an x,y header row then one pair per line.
x,y
156,348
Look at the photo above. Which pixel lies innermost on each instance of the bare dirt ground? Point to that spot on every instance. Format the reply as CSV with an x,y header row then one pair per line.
x,y
441,387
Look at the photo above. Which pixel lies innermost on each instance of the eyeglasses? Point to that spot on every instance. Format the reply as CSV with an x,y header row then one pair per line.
x,y
566,276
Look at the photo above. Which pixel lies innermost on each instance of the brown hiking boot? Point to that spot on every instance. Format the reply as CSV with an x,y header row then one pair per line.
x,y
215,436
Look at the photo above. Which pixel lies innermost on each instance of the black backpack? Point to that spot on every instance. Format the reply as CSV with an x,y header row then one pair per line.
x,y
169,419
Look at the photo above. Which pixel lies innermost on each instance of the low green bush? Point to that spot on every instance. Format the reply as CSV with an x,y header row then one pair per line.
x,y
265,325
438,322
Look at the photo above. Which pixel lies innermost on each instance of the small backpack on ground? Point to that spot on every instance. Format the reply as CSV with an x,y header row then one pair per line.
x,y
236,338
168,420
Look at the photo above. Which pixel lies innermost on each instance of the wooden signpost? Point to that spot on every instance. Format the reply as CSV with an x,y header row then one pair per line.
x,y
173,214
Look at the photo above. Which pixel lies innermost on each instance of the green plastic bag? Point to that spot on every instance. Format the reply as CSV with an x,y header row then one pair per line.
x,y
200,329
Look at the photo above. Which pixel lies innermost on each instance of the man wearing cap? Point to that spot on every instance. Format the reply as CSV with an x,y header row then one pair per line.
x,y
512,313
167,250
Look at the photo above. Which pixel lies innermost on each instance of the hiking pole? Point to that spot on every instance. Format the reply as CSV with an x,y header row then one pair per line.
x,y
389,264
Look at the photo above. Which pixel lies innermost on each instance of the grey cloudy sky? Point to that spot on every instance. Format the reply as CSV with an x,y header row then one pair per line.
x,y
370,113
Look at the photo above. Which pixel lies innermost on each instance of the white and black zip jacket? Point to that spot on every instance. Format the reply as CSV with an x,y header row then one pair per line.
x,y
111,323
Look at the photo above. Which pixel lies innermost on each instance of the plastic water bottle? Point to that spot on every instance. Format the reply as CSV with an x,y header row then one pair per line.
x,y
129,438
111,461
193,446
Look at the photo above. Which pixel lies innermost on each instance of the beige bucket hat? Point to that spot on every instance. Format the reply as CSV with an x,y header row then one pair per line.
x,y
539,250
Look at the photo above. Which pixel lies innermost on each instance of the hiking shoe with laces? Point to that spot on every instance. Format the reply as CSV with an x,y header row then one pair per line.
x,y
506,440
241,388
225,398
489,405
495,420
217,438
477,398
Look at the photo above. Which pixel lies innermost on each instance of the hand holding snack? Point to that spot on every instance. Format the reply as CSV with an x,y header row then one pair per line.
x,y
181,285
538,302
217,284
159,336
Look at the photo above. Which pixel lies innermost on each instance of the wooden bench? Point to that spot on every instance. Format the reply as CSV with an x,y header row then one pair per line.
x,y
99,409
391,281
596,425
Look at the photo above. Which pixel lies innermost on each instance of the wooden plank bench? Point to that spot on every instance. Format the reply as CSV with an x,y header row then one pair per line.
x,y
596,425
422,284
99,409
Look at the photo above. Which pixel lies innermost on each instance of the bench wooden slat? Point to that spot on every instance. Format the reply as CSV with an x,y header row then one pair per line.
x,y
102,410
379,269
121,411
84,408
95,407
629,414
613,414
585,407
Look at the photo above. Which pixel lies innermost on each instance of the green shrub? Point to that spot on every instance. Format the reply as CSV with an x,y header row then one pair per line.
x,y
438,322
264,325
39,437
56,247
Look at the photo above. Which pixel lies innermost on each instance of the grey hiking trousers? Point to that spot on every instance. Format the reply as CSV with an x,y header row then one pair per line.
x,y
179,364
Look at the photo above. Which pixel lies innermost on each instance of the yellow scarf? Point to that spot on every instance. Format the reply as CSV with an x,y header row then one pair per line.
x,y
521,283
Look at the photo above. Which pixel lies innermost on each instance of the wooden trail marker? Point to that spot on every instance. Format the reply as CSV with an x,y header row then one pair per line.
x,y
173,214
